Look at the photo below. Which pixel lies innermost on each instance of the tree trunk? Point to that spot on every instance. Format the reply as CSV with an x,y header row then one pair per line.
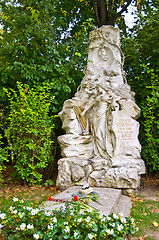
x,y
103,11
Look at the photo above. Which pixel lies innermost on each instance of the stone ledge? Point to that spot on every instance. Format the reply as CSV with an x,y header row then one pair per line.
x,y
110,201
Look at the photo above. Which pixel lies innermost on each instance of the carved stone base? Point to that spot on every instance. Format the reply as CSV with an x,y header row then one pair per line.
x,y
72,171
76,145
128,161
99,173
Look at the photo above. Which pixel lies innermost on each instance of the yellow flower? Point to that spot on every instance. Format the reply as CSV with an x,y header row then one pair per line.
x,y
64,12
83,1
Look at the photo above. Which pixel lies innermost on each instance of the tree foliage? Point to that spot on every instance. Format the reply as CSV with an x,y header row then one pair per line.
x,y
37,46
141,48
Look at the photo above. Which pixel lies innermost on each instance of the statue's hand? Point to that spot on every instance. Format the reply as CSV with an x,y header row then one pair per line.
x,y
114,106
82,113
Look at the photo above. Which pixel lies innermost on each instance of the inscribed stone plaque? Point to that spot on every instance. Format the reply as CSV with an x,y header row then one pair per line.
x,y
125,129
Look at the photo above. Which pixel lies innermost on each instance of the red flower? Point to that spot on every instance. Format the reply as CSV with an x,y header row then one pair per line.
x,y
50,198
75,198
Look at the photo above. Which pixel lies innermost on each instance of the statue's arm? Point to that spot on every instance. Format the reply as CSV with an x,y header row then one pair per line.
x,y
89,106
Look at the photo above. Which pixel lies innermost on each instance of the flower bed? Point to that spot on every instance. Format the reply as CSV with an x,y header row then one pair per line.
x,y
27,221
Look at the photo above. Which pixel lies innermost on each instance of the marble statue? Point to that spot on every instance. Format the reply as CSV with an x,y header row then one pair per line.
x,y
101,145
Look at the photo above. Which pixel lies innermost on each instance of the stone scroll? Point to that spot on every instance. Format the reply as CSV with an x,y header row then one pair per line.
x,y
101,145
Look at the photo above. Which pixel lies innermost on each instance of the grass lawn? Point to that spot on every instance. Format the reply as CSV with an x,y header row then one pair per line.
x,y
146,216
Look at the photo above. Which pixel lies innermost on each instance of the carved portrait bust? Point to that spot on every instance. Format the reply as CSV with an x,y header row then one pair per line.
x,y
103,54
105,58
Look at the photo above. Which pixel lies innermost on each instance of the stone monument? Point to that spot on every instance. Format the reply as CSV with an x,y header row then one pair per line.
x,y
101,144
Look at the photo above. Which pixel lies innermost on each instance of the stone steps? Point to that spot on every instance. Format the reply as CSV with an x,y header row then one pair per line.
x,y
110,201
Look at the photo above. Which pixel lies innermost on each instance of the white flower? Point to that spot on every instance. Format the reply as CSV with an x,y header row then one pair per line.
x,y
2,215
30,226
21,214
89,210
120,227
15,211
115,216
15,199
71,213
107,231
47,213
75,234
101,215
121,214
36,236
113,224
123,220
90,236
28,208
79,220
67,229
137,229
54,220
50,226
109,218
34,211
11,208
9,4
110,232
132,220
22,226
87,219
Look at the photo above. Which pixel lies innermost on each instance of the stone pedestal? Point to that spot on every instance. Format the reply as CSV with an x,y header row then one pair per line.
x,y
101,144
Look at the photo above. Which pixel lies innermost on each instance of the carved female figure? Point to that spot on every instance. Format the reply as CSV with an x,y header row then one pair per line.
x,y
99,116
